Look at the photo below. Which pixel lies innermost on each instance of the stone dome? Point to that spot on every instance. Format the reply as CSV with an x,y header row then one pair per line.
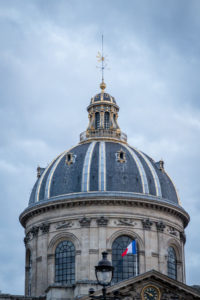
x,y
103,167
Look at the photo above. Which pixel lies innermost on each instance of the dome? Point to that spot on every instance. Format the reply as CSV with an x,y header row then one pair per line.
x,y
103,167
103,97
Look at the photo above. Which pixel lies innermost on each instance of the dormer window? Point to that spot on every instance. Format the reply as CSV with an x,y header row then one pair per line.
x,y
69,158
121,156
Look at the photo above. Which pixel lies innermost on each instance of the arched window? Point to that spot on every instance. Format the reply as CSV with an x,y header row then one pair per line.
x,y
29,271
127,266
97,120
65,263
106,120
172,263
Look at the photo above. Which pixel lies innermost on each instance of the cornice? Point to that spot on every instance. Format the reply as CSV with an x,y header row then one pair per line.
x,y
104,198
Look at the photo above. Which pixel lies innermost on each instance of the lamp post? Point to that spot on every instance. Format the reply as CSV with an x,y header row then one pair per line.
x,y
104,274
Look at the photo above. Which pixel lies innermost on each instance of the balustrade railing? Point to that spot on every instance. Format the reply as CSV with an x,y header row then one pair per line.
x,y
101,133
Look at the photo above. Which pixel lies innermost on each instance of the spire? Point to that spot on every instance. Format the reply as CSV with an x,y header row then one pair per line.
x,y
103,65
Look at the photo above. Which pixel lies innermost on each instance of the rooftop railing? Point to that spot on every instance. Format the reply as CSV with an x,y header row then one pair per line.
x,y
103,133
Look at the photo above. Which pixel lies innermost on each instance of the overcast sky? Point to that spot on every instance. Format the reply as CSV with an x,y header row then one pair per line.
x,y
48,75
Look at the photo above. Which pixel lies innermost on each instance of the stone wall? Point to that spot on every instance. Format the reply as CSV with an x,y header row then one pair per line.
x,y
92,227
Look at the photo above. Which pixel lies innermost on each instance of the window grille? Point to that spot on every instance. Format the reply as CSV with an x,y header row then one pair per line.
x,y
65,263
97,120
172,263
127,266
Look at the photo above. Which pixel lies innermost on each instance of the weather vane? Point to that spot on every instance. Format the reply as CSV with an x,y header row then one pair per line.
x,y
102,59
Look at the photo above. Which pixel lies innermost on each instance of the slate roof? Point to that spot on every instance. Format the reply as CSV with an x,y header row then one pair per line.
x,y
103,97
96,167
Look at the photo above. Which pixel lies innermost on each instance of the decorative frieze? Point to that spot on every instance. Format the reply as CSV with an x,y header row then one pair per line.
x,y
85,222
102,221
160,226
126,222
64,224
147,224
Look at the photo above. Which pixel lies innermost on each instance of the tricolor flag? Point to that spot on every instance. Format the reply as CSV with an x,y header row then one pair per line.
x,y
130,249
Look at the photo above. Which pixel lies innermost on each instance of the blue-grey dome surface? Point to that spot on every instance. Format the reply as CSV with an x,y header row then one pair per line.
x,y
103,166
103,97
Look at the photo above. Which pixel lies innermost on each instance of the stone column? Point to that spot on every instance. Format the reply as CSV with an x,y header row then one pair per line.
x,y
42,259
160,226
34,233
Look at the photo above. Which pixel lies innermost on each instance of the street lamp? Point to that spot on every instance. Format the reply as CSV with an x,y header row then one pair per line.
x,y
104,271
104,274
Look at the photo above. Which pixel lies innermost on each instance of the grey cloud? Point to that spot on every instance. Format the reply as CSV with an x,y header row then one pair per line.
x,y
48,75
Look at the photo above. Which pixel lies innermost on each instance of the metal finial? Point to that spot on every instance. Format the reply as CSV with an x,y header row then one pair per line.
x,y
101,59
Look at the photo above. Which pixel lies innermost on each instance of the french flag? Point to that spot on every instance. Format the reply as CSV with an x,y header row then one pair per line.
x,y
130,249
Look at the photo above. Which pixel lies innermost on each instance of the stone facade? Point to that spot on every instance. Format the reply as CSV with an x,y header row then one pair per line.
x,y
92,226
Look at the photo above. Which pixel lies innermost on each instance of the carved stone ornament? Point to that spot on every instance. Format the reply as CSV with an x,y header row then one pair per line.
x,y
172,231
126,222
64,224
34,230
45,227
183,237
85,222
160,226
27,238
102,221
147,224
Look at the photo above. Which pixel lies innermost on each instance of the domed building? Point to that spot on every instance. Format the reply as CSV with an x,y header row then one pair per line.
x,y
101,195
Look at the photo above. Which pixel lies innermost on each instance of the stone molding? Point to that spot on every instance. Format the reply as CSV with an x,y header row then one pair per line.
x,y
102,221
85,222
125,231
155,204
61,236
93,251
154,254
39,258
